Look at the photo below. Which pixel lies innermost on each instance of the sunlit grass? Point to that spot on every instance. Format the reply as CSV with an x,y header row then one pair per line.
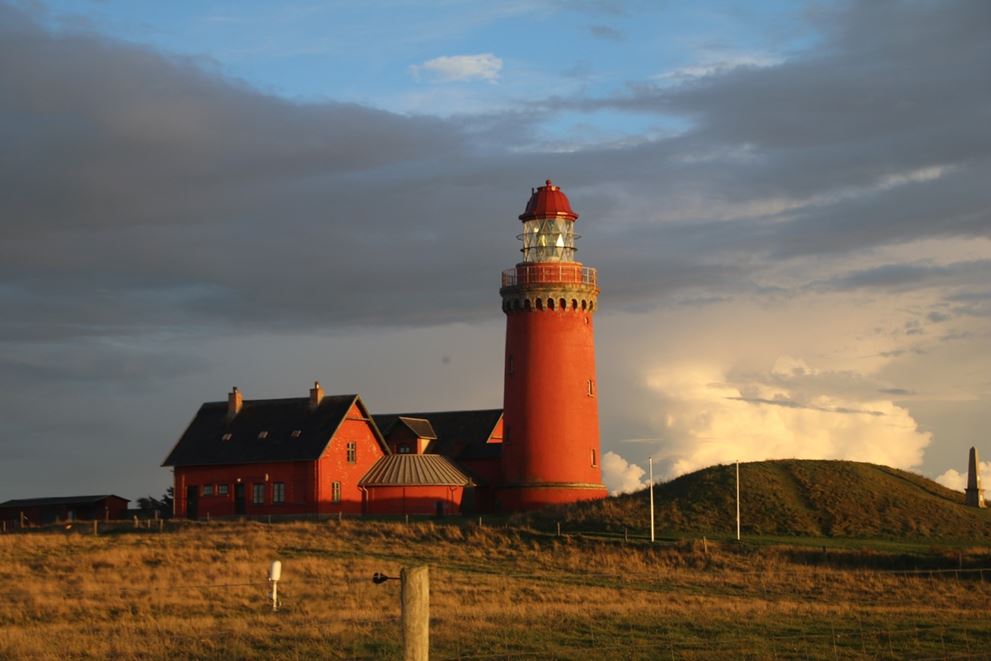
x,y
145,594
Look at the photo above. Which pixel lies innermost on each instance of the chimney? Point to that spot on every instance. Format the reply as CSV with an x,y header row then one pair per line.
x,y
316,394
974,495
234,402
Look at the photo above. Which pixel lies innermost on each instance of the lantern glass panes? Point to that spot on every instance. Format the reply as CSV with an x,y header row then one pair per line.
x,y
548,240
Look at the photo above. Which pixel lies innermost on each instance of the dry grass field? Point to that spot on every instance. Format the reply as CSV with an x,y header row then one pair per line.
x,y
200,591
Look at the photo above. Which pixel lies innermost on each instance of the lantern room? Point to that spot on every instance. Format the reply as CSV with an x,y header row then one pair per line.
x,y
548,226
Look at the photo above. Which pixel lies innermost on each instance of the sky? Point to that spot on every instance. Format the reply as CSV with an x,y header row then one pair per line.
x,y
787,202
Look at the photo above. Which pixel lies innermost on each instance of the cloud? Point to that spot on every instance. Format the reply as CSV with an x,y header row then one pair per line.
x,y
449,68
620,476
710,419
953,479
606,32
762,263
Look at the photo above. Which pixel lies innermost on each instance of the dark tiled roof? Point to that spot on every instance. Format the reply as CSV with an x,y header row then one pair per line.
x,y
59,500
203,443
460,434
414,470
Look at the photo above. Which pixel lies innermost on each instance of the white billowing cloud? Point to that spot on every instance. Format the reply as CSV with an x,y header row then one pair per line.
x,y
620,475
953,479
483,66
792,411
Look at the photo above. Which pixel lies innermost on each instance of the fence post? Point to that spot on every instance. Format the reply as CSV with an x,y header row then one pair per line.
x,y
416,612
96,527
558,528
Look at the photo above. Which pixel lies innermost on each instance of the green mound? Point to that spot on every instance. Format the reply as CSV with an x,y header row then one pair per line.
x,y
788,497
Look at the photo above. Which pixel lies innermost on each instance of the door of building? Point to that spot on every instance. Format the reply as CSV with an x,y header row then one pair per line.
x,y
239,498
192,502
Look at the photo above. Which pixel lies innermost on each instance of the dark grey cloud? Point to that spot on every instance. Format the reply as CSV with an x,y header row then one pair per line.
x,y
910,276
898,392
142,190
792,404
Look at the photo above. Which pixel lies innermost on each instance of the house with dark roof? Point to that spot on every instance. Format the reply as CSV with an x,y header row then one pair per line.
x,y
326,454
272,457
35,511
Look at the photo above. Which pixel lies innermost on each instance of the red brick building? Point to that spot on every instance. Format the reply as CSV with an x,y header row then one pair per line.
x,y
275,456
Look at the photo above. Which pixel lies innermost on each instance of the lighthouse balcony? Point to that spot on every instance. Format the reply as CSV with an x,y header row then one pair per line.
x,y
550,274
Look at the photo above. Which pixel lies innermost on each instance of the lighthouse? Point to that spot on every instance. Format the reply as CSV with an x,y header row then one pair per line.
x,y
551,451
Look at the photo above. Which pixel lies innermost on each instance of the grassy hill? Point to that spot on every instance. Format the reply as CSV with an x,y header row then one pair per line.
x,y
789,497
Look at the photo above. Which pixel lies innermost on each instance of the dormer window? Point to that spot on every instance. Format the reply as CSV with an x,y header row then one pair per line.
x,y
262,435
296,433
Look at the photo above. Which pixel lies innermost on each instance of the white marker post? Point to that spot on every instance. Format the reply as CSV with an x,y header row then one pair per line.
x,y
274,574
737,500
651,464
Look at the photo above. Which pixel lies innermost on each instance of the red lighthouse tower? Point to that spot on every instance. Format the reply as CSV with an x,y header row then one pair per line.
x,y
550,449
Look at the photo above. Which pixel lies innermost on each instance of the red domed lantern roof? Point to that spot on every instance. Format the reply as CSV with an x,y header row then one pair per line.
x,y
548,202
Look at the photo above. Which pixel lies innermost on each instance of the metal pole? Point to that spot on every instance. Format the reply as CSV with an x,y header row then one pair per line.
x,y
651,462
737,500
416,613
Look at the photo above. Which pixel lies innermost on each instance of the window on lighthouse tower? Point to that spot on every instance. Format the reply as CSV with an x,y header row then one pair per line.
x,y
548,240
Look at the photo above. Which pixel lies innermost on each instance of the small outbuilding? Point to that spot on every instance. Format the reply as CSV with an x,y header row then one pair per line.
x,y
413,484
38,511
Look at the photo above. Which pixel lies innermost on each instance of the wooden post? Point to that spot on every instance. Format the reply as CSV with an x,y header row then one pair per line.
x,y
416,612
558,528
340,516
705,546
22,519
4,525
96,527
479,522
